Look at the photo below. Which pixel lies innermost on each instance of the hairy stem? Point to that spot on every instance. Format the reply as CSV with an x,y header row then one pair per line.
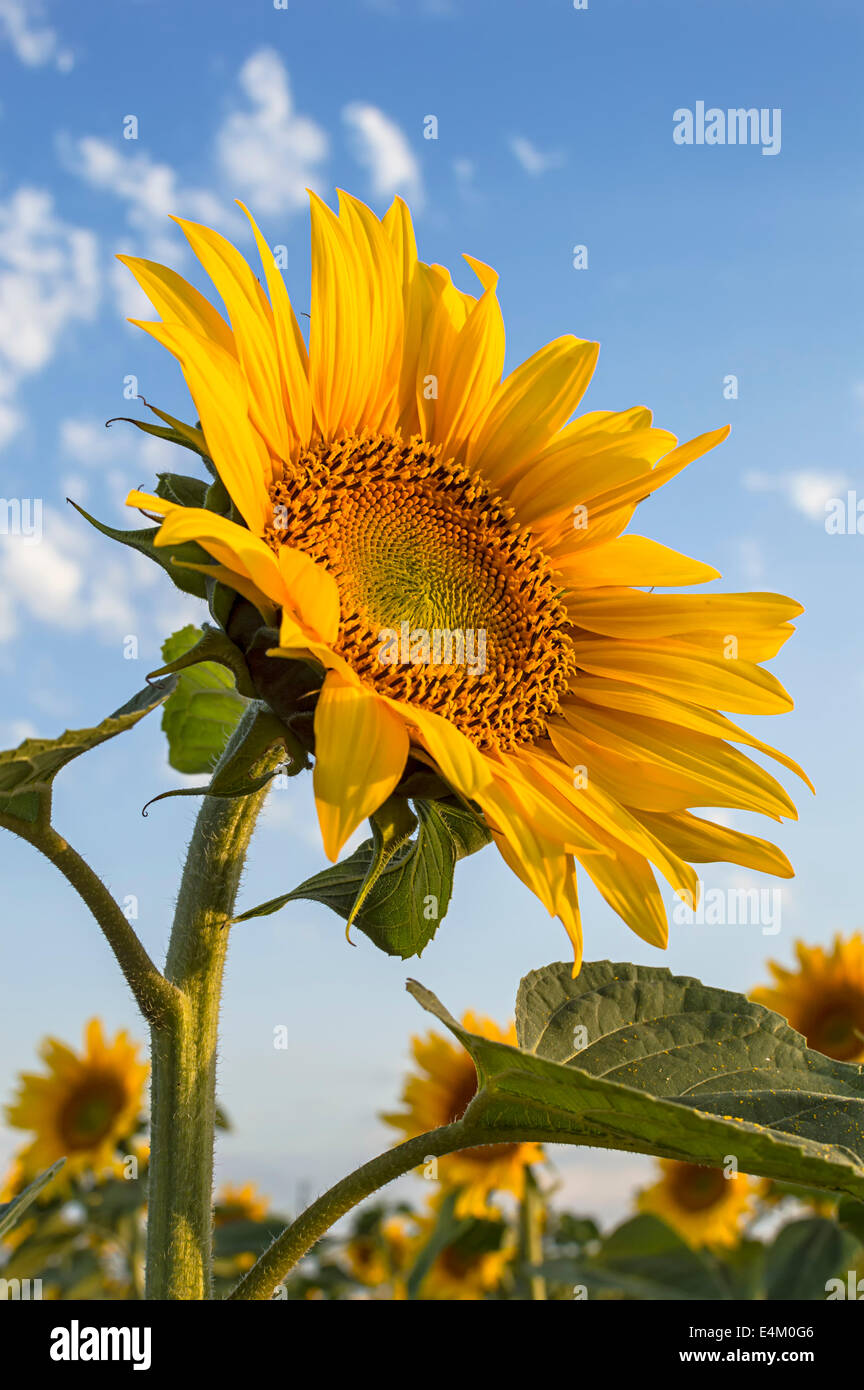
x,y
179,1228
288,1248
155,996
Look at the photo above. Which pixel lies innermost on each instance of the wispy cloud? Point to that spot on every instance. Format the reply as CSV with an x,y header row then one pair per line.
x,y
49,278
382,148
33,41
534,161
806,492
268,152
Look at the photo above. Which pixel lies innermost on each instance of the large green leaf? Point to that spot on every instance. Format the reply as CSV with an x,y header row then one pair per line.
x,y
632,1057
27,772
409,898
645,1259
204,709
804,1256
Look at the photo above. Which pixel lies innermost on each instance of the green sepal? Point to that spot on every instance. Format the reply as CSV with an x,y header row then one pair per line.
x,y
213,645
233,777
189,581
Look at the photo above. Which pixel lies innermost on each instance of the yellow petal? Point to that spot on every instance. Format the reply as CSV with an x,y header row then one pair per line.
x,y
702,842
360,750
462,765
218,388
174,299
631,560
739,686
311,592
252,321
530,406
293,357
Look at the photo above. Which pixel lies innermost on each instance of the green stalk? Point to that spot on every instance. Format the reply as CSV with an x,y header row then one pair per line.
x,y
289,1248
531,1217
183,1106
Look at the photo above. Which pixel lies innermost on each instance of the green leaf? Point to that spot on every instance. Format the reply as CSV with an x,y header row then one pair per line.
x,y
27,772
189,581
11,1212
644,1259
671,1067
203,711
408,899
804,1256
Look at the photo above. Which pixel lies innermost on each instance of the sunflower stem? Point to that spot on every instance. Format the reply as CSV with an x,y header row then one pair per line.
x,y
297,1240
154,995
183,1108
531,1219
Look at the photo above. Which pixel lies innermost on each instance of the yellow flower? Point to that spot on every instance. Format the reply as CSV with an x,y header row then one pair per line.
x,y
382,1256
824,997
701,1204
439,1093
449,550
83,1106
466,1270
236,1203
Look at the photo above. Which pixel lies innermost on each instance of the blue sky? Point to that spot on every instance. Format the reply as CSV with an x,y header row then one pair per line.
x,y
554,129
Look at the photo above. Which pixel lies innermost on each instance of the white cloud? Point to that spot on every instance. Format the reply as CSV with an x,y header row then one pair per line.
x,y
151,191
269,153
383,149
807,492
534,161
74,580
34,42
49,278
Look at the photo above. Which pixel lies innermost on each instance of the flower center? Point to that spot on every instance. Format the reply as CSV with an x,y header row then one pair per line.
x,y
697,1188
445,602
90,1111
837,1028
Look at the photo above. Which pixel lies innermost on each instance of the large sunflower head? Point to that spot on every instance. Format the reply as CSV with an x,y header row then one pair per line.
x,y
445,545
824,997
83,1106
438,1093
702,1204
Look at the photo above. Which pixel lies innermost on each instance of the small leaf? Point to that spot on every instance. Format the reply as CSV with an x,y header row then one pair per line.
x,y
27,772
407,901
11,1212
203,711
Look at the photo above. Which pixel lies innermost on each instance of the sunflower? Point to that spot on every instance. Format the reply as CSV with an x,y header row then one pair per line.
x,y
472,1265
236,1203
83,1107
448,550
701,1204
824,997
382,1257
439,1093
